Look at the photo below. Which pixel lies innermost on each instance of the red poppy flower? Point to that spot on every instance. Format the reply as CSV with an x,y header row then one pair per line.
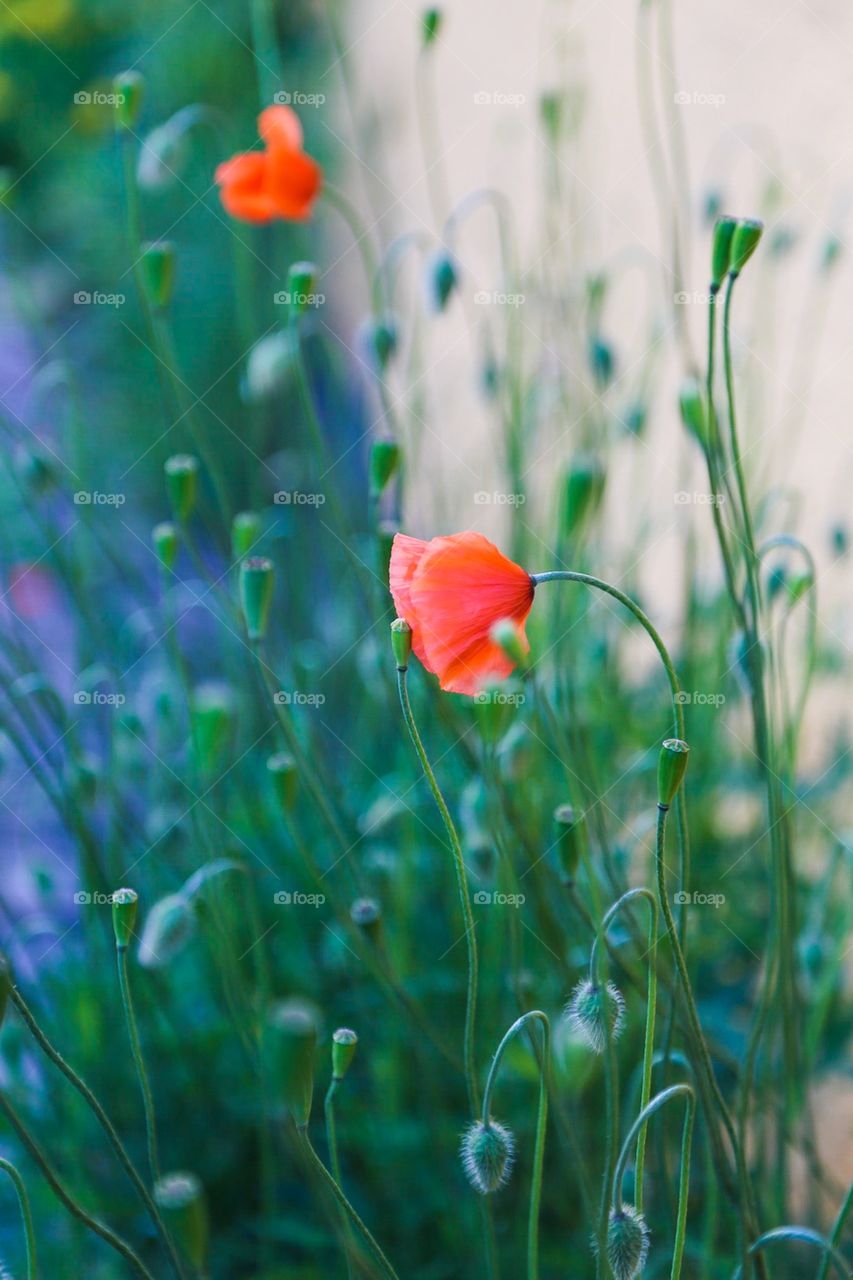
x,y
452,591
279,182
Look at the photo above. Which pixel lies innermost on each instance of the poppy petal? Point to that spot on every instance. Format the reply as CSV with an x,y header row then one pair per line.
x,y
280,126
292,181
405,555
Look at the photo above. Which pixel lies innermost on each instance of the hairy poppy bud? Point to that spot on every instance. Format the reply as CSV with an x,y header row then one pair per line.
x,y
401,643
592,1008
344,1042
128,87
672,763
181,1200
430,24
256,588
282,770
487,1153
569,826
627,1242
745,240
158,271
246,529
691,403
164,536
168,927
366,913
291,1029
441,279
583,489
125,906
721,250
384,461
181,484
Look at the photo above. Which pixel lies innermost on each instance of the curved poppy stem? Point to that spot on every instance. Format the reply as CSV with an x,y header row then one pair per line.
x,y
139,1063
26,1215
805,1234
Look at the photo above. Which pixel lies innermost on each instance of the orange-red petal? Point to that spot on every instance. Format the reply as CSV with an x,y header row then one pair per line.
x,y
293,182
405,555
280,126
243,187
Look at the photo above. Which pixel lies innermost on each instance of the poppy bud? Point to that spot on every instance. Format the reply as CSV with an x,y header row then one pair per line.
x,y
292,1027
128,88
507,636
487,1154
712,203
602,361
744,243
384,461
381,339
551,112
366,913
246,529
165,539
569,826
583,489
256,588
301,279
441,279
830,253
627,1242
181,484
125,906
270,364
212,722
430,24
181,1200
691,402
672,763
168,927
158,271
401,643
6,980
344,1044
721,249
282,770
590,1010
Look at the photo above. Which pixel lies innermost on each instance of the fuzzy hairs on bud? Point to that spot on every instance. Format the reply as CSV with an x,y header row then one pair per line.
x,y
627,1242
487,1153
589,1006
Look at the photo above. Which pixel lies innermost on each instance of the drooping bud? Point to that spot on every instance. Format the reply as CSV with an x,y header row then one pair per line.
x,y
380,338
830,253
602,361
212,707
721,250
366,914
401,643
627,1242
256,589
592,1008
744,243
282,770
569,826
128,87
301,279
125,907
487,1154
291,1030
158,271
6,980
691,403
246,529
181,484
583,489
384,461
344,1042
430,25
164,536
168,927
442,278
181,1200
672,763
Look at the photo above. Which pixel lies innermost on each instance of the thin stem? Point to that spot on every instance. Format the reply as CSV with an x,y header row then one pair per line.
x,y
139,1063
837,1229
26,1216
332,1140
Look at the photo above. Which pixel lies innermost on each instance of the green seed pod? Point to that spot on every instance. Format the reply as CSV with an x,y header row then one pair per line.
x,y
627,1242
164,536
168,927
344,1044
744,243
401,643
487,1154
507,636
672,763
256,590
291,1032
158,271
301,282
691,403
181,1200
570,835
282,770
442,278
721,250
6,982
181,484
125,906
366,914
431,20
583,489
246,530
212,714
591,1008
384,461
128,87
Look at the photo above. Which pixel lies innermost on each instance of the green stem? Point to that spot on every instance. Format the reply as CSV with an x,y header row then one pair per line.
x,y
837,1229
332,1139
26,1216
139,1063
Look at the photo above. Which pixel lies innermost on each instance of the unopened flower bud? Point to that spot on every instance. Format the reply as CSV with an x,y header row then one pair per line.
x,y
583,489
602,361
164,536
291,1031
487,1153
401,643
627,1242
181,1200
181,484
592,1009
691,403
282,770
384,461
672,763
128,87
246,529
366,914
569,826
158,271
744,243
430,25
256,589
508,637
212,714
125,906
380,338
301,280
344,1042
442,278
721,250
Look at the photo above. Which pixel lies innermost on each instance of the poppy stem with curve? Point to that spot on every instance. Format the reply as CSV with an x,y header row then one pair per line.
x,y
26,1216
